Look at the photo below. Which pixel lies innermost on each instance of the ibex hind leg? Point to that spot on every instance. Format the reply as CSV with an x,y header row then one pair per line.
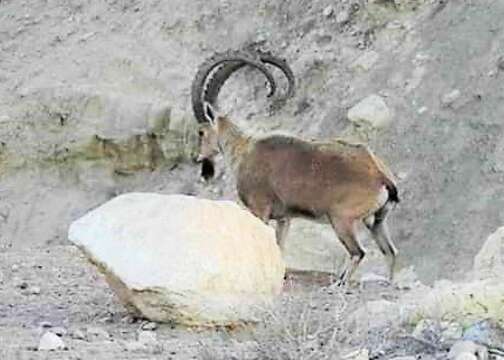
x,y
381,235
345,229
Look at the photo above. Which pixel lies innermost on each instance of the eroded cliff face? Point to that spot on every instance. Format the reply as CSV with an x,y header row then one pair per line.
x,y
94,101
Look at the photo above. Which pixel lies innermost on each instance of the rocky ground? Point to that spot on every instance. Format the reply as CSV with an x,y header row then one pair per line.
x,y
94,102
56,290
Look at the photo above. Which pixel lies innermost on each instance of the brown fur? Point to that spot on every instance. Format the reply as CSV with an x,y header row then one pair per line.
x,y
281,177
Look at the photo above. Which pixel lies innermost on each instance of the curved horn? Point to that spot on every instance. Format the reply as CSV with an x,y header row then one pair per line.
x,y
220,75
209,65
268,58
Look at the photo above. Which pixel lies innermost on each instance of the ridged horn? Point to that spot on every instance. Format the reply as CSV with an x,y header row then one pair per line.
x,y
198,88
268,58
219,77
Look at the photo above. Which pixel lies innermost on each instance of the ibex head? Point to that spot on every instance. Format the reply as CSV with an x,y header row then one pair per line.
x,y
206,85
208,145
208,149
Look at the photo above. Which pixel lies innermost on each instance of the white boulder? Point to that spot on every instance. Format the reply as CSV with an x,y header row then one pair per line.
x,y
50,342
183,259
371,110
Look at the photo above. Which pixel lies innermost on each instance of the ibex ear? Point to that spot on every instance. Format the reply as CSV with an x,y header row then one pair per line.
x,y
210,113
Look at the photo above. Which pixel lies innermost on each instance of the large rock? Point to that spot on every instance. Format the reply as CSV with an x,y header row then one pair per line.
x,y
371,110
489,262
310,246
183,259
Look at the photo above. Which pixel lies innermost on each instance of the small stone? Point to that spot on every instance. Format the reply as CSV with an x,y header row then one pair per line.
x,y
97,333
1,278
149,326
422,110
467,350
147,337
452,331
50,342
371,110
78,335
449,98
87,36
34,290
406,279
467,356
343,17
404,358
370,279
15,268
360,354
328,11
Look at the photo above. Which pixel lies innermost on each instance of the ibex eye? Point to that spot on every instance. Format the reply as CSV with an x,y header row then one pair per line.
x,y
201,133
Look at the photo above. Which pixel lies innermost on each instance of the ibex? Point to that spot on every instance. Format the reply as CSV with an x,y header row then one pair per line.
x,y
282,177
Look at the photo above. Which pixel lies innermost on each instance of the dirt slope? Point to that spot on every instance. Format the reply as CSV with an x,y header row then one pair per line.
x,y
95,96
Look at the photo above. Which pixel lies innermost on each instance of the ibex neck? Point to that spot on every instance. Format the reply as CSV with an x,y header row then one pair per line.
x,y
233,142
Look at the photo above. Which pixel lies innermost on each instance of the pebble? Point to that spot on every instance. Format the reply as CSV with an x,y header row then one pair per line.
x,y
328,11
50,342
150,326
15,268
451,97
78,335
343,17
422,110
467,350
451,331
372,279
34,290
361,354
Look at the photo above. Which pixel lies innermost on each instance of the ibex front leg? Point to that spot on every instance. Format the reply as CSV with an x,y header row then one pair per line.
x,y
282,228
260,206
345,230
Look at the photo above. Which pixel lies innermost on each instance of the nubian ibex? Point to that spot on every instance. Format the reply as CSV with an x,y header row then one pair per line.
x,y
282,177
